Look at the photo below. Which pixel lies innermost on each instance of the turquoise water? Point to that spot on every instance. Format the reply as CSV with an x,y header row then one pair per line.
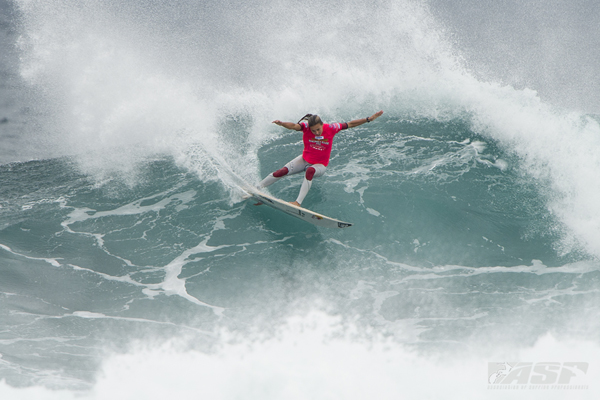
x,y
132,266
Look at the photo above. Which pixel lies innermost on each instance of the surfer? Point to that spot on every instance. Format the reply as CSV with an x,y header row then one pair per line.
x,y
318,139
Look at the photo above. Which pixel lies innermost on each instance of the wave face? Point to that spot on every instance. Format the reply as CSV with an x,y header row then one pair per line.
x,y
131,264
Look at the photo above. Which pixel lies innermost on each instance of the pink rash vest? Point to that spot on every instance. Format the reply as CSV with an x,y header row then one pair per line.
x,y
317,149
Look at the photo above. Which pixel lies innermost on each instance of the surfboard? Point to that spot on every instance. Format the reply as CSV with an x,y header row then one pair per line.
x,y
299,212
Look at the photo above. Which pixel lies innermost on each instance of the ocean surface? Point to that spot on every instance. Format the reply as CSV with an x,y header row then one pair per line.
x,y
131,266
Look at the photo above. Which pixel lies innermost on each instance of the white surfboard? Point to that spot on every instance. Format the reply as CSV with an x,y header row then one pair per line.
x,y
295,211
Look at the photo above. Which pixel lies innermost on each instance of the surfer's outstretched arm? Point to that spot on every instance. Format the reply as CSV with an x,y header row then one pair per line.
x,y
288,125
361,121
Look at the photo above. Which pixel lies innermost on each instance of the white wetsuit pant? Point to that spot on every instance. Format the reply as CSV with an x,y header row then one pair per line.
x,y
296,166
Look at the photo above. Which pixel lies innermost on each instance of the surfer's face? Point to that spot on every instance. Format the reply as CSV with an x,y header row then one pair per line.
x,y
317,129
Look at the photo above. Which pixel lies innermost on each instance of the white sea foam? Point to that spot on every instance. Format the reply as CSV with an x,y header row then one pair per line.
x,y
52,261
171,284
315,356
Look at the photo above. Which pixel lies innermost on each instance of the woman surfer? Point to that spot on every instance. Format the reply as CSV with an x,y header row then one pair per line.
x,y
318,139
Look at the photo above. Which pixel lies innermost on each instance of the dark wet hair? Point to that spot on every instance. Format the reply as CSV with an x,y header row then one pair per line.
x,y
312,120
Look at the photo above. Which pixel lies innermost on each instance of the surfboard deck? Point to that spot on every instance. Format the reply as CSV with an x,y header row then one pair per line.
x,y
299,212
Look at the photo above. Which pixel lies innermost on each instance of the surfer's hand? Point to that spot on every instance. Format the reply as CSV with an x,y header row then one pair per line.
x,y
376,115
359,122
288,125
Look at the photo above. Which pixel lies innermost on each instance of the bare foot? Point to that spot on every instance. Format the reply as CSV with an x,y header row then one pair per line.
x,y
260,203
295,203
